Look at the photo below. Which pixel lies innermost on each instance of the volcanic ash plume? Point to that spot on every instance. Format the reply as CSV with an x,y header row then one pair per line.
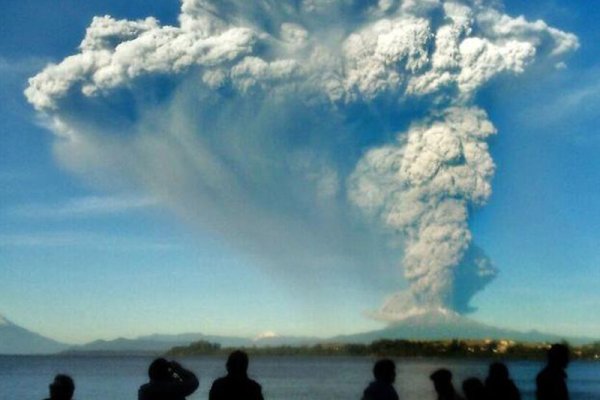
x,y
422,187
269,123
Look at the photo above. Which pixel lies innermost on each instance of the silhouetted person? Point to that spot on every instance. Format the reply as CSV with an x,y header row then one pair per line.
x,y
168,381
498,384
442,382
551,382
382,388
473,389
62,388
236,385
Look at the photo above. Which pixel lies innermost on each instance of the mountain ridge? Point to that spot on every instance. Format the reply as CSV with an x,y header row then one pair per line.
x,y
427,326
448,325
15,339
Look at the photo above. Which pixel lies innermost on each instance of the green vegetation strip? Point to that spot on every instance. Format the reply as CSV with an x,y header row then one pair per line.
x,y
504,349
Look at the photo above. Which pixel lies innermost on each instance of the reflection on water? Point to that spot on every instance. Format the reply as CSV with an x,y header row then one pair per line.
x,y
282,378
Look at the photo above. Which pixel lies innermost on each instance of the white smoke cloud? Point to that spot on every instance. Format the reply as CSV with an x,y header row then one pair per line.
x,y
267,121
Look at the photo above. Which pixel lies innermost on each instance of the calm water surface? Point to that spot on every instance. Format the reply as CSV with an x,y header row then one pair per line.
x,y
282,378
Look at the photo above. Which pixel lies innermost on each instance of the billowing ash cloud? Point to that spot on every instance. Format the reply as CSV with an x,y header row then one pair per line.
x,y
422,186
328,128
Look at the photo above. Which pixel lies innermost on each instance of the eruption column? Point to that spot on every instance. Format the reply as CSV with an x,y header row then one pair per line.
x,y
422,187
236,118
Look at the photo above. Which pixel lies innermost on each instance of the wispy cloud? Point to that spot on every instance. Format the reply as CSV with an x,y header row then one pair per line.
x,y
88,240
21,66
13,175
89,206
570,102
577,101
37,240
14,73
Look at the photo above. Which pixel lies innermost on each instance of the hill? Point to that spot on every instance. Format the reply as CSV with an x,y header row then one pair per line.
x,y
18,340
152,344
160,343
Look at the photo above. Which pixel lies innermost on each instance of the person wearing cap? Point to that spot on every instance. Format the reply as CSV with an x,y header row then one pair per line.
x,y
382,388
551,382
62,388
442,382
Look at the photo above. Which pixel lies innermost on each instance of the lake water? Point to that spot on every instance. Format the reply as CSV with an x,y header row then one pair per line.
x,y
282,378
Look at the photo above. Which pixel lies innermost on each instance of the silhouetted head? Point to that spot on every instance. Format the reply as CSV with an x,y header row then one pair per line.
x,y
442,381
385,371
473,389
159,370
237,363
558,355
498,372
62,388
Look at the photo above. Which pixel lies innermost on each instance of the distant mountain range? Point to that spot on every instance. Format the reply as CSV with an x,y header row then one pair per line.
x,y
17,340
153,344
157,344
431,326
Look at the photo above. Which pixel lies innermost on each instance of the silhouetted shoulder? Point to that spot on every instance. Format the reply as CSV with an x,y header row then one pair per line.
x,y
473,389
442,382
236,384
380,391
227,388
165,390
382,388
551,384
498,384
513,391
62,388
168,381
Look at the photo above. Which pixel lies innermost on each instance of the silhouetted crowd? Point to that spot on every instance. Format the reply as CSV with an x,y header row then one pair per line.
x,y
168,380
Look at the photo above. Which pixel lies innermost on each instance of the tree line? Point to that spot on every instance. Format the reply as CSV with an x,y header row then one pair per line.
x,y
505,349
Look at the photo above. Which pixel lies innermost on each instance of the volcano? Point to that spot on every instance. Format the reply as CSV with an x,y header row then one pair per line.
x,y
18,340
445,324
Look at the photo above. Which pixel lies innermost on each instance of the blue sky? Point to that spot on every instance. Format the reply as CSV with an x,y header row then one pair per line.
x,y
78,262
